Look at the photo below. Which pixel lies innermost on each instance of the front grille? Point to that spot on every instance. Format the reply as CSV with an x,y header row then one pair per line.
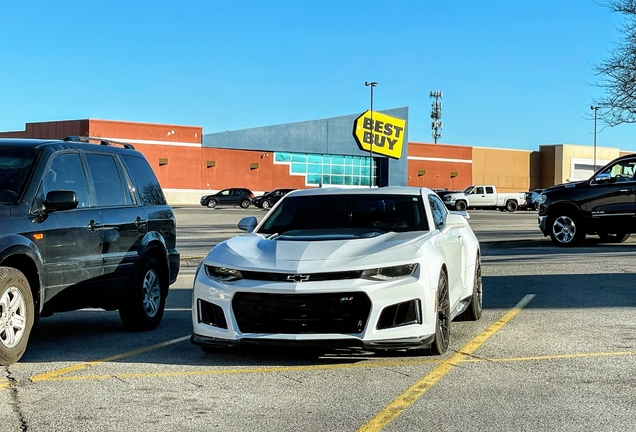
x,y
301,313
305,277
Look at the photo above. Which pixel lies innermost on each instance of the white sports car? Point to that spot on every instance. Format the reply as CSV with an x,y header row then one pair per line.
x,y
385,268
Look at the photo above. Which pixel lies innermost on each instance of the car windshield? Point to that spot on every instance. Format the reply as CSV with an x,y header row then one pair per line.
x,y
345,216
468,189
15,166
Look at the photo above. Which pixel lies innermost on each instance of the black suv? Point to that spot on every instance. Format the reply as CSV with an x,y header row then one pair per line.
x,y
232,196
604,205
270,198
82,225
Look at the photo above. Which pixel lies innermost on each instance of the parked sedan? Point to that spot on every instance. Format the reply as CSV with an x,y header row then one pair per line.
x,y
270,198
385,268
232,196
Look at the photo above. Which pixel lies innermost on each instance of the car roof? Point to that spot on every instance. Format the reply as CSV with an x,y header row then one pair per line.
x,y
71,143
389,190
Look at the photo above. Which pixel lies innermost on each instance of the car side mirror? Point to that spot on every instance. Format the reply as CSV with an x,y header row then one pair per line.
x,y
603,178
456,220
60,200
248,224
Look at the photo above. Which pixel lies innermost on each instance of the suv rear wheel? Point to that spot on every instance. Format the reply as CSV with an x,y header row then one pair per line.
x,y
245,204
16,314
143,308
566,229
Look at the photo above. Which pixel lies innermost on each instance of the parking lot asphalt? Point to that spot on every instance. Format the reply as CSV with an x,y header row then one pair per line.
x,y
555,350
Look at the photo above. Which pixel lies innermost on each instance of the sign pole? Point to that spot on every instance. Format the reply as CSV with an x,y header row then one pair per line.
x,y
371,84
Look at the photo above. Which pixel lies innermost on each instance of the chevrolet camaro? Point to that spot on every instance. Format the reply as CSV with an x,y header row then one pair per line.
x,y
373,269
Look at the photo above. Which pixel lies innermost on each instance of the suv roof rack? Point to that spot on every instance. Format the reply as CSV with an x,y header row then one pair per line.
x,y
102,141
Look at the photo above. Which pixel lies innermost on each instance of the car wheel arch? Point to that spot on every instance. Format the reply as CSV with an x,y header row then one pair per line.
x,y
30,263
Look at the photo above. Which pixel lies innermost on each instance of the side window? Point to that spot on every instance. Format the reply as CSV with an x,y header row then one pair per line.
x,y
489,190
623,171
144,177
65,172
438,210
225,193
479,191
109,188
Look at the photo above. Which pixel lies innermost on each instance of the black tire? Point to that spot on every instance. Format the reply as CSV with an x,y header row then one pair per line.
x,y
265,204
473,313
245,204
614,237
566,229
17,312
211,203
443,318
460,205
511,206
142,310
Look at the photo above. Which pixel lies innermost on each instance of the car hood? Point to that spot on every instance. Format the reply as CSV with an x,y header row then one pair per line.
x,y
563,186
255,252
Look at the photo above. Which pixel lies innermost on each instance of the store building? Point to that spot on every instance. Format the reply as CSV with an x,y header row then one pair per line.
x,y
322,152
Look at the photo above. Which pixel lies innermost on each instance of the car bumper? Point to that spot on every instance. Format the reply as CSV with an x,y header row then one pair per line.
x,y
174,261
355,313
543,224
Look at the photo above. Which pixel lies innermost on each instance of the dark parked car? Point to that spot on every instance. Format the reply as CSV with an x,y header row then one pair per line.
x,y
270,198
532,200
441,192
83,225
604,205
232,196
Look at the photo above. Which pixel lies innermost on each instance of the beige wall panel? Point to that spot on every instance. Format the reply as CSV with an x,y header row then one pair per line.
x,y
508,170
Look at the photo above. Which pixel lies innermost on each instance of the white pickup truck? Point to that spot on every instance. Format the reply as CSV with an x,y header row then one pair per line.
x,y
484,196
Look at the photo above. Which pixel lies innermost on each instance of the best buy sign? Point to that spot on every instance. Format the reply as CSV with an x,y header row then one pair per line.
x,y
384,132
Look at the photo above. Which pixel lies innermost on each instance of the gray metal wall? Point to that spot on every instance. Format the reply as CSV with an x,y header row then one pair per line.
x,y
327,136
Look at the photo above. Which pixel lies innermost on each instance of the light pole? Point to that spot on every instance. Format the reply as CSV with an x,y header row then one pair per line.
x,y
371,84
595,109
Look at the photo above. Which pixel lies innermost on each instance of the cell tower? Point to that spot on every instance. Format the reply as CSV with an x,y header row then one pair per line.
x,y
436,114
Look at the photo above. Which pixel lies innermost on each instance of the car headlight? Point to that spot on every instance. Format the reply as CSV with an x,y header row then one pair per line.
x,y
223,273
390,273
541,199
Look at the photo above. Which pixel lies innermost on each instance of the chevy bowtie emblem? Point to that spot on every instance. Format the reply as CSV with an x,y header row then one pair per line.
x,y
298,278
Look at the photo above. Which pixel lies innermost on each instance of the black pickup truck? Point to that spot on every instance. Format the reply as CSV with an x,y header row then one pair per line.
x,y
604,204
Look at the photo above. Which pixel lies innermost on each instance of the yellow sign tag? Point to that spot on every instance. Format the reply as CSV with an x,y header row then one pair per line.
x,y
383,132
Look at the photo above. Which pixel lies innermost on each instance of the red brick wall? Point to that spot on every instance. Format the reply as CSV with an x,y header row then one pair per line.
x,y
438,172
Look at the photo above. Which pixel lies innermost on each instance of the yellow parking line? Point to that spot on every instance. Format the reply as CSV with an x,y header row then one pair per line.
x,y
49,375
408,398
362,365
552,357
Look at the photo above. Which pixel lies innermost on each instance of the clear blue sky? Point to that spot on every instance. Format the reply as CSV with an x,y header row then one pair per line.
x,y
515,74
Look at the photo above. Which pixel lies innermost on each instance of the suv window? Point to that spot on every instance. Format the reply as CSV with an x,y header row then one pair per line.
x,y
109,189
15,166
65,173
147,184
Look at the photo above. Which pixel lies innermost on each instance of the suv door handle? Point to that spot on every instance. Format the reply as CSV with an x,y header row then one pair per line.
x,y
140,223
625,190
92,225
